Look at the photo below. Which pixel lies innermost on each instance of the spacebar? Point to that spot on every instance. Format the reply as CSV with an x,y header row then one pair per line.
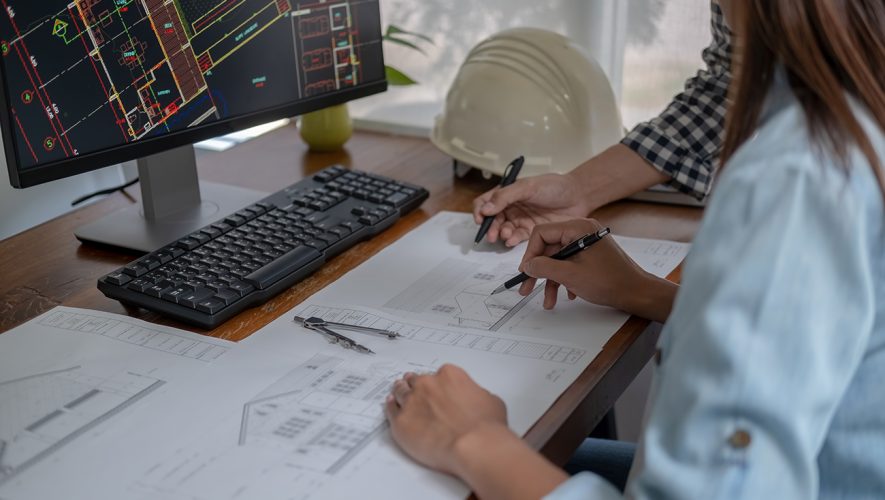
x,y
282,267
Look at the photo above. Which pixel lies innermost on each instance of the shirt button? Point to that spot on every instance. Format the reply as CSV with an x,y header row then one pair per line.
x,y
657,357
739,439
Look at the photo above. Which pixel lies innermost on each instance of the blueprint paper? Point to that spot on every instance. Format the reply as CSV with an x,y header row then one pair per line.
x,y
70,378
316,428
112,407
434,274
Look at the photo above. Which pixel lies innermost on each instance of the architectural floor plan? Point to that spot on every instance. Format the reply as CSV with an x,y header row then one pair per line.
x,y
55,407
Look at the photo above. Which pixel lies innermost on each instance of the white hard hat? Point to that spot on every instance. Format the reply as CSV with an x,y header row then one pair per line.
x,y
528,92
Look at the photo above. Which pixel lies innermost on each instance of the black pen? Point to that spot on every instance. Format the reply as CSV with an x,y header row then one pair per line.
x,y
582,243
507,179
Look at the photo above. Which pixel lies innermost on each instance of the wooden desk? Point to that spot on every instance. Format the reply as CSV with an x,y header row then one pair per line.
x,y
46,266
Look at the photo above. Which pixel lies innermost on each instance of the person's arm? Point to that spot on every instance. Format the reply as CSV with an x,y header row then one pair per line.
x,y
616,173
496,463
681,146
683,143
770,327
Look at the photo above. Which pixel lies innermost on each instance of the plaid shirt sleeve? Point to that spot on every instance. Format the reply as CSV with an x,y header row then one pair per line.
x,y
684,142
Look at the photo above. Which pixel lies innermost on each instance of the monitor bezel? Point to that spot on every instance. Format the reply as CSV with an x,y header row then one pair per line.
x,y
32,176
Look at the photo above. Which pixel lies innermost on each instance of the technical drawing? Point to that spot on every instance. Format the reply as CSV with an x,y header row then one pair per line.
x,y
47,410
321,414
314,427
501,345
460,290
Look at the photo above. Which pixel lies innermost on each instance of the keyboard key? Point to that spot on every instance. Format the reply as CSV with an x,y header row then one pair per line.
x,y
241,287
191,299
247,215
369,220
227,295
164,255
211,305
259,209
173,293
240,272
235,220
330,238
316,243
352,226
263,259
118,278
200,237
211,232
328,223
222,226
140,285
188,243
396,199
135,270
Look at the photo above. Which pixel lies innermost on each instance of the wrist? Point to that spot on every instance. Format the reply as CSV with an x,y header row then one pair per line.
x,y
651,298
496,463
469,450
615,173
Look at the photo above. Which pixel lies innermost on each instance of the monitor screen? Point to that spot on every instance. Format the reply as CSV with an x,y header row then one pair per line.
x,y
90,83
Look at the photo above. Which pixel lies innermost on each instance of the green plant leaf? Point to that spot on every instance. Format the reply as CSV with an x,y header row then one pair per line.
x,y
396,30
405,43
397,77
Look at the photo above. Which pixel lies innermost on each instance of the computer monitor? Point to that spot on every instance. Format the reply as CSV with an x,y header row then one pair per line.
x,y
92,83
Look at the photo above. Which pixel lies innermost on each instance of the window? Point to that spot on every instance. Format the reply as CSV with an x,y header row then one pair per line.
x,y
648,48
663,44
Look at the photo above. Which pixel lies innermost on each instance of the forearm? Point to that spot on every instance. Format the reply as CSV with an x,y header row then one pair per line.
x,y
495,463
615,173
652,298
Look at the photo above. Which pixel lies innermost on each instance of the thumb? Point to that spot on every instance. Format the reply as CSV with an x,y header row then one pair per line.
x,y
560,271
506,196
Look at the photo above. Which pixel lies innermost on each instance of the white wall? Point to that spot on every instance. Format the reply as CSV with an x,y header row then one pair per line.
x,y
24,208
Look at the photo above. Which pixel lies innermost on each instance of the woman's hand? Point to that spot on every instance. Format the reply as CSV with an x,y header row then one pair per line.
x,y
429,414
602,274
449,423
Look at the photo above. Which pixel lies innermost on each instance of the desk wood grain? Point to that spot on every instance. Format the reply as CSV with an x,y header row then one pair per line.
x,y
46,266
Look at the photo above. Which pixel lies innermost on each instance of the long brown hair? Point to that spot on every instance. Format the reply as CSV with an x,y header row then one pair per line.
x,y
828,48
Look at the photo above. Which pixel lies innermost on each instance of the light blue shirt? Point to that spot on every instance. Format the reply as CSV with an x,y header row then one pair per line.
x,y
772,381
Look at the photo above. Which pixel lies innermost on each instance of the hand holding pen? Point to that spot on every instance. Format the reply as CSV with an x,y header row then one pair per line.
x,y
582,243
509,177
602,274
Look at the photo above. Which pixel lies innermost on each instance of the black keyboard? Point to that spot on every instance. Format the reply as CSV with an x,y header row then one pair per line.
x,y
248,257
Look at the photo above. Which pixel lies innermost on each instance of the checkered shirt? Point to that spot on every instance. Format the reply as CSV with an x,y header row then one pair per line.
x,y
685,140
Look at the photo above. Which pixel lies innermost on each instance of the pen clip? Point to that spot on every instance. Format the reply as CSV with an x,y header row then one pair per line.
x,y
512,170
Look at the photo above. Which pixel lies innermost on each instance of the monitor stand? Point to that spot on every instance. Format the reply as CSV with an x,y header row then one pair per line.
x,y
174,204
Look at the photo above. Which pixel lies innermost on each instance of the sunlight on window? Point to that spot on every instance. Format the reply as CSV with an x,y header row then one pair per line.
x,y
664,43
